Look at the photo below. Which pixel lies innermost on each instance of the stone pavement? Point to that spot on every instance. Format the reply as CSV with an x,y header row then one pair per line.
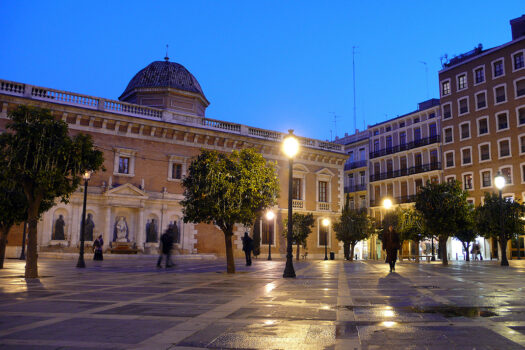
x,y
130,304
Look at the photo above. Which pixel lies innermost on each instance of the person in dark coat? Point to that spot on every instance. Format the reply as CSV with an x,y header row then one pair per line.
x,y
166,243
391,244
247,246
97,248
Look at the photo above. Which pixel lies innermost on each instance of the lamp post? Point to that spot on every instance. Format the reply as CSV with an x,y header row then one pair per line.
x,y
269,216
81,263
290,148
326,223
499,182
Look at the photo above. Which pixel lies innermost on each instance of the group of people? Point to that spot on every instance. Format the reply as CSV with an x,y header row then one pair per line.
x,y
475,251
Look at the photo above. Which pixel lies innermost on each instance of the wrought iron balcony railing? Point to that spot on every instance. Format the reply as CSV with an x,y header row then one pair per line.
x,y
406,146
407,171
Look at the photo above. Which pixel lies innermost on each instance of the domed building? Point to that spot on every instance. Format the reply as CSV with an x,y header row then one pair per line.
x,y
149,137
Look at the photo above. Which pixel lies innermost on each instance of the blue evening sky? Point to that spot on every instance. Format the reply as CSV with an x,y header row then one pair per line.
x,y
270,64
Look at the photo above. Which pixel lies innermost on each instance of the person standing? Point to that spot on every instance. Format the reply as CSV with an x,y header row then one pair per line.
x,y
97,248
166,244
391,244
247,246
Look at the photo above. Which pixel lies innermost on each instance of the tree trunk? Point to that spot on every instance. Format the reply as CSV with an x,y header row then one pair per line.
x,y
32,255
443,248
3,243
465,246
352,246
417,251
297,252
230,262
346,250
503,247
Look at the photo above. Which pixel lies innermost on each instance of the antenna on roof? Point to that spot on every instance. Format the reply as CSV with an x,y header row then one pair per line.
x,y
166,58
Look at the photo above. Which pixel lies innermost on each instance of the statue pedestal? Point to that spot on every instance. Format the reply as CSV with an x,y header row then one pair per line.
x,y
123,248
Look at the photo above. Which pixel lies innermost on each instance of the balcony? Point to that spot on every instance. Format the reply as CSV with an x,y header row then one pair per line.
x,y
397,200
323,206
356,164
407,171
297,204
407,146
355,188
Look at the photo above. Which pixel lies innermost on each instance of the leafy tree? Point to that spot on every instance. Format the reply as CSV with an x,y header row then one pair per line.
x,y
229,189
443,207
352,227
46,163
302,227
501,219
466,232
411,227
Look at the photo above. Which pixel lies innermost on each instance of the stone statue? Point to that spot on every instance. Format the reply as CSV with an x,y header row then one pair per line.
x,y
151,231
59,229
120,232
88,228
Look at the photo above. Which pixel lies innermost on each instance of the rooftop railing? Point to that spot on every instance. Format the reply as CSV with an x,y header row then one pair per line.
x,y
145,112
406,146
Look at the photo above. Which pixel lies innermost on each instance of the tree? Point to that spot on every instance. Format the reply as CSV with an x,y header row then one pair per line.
x,y
501,219
302,227
411,227
466,232
229,189
443,206
256,238
46,163
353,226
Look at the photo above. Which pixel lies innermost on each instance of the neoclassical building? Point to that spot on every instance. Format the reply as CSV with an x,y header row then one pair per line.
x,y
149,137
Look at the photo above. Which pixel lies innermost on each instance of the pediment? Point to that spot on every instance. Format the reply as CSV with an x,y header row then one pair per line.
x,y
325,171
127,190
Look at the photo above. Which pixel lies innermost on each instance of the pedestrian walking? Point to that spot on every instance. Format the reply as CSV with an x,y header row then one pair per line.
x,y
97,248
247,246
391,244
166,244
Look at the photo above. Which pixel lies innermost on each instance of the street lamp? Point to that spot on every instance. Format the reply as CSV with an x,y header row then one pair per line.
x,y
325,223
269,216
81,263
499,182
290,148
387,203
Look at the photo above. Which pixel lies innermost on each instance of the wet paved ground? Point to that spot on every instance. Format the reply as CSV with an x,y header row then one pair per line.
x,y
129,304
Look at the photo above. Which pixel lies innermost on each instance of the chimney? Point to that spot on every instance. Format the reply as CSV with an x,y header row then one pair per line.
x,y
517,26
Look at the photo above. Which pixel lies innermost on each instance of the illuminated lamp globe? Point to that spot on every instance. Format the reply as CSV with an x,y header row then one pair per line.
x,y
499,181
270,215
326,222
290,146
387,203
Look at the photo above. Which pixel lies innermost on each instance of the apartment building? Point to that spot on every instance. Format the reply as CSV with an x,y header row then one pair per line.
x,y
483,120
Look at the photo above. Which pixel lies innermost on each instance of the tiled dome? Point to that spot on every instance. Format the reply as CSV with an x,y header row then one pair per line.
x,y
164,74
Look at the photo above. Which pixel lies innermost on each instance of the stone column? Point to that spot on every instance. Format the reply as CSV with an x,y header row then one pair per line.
x,y
140,231
108,232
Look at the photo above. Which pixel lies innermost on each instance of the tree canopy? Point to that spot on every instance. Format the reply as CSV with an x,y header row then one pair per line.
x,y
229,189
46,162
301,228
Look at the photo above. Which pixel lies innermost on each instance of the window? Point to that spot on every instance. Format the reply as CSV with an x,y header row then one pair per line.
x,y
323,191
445,88
267,232
402,138
362,199
450,178
499,94
462,82
467,182
432,131
389,142
376,132
521,115
123,165
502,121
518,61
377,168
418,160
507,172
388,128
520,88
403,163
323,235
176,171
417,134
376,145
465,131
522,144
297,189
479,75
486,178
463,106
362,154
504,148
484,152
483,126
362,178
523,173
350,156
402,124
351,180
433,157
416,120
447,113
466,156
497,68
449,135
419,184
481,100
432,115
449,159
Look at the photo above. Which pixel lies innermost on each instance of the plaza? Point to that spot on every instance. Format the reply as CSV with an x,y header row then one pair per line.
x,y
131,304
